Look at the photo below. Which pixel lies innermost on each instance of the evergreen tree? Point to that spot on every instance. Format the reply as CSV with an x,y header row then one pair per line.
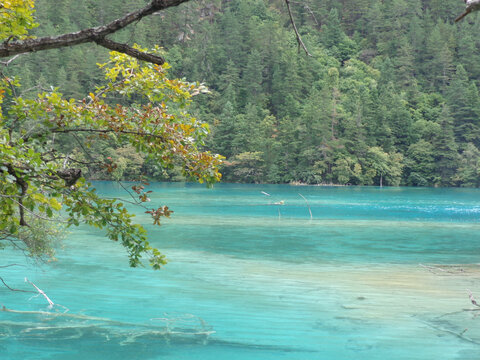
x,y
445,155
464,103
379,77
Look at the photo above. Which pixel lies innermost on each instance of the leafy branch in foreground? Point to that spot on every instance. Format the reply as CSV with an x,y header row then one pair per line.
x,y
38,184
16,18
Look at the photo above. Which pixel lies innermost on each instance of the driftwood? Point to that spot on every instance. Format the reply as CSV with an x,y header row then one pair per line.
x,y
461,335
438,269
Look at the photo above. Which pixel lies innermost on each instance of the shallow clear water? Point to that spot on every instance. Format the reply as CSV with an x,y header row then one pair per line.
x,y
374,274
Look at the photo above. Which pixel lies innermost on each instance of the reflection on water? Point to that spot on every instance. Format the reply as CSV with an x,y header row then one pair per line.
x,y
377,273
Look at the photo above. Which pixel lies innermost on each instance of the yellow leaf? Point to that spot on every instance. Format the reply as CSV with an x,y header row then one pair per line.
x,y
55,204
39,197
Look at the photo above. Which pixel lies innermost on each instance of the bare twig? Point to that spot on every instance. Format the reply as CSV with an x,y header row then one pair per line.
x,y
12,289
135,200
297,34
9,265
6,63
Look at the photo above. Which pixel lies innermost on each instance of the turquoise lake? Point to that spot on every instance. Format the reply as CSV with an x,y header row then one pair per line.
x,y
373,273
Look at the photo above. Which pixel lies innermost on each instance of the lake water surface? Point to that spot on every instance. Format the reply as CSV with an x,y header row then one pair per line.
x,y
372,273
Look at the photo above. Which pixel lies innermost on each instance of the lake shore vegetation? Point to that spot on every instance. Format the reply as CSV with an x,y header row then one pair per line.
x,y
389,95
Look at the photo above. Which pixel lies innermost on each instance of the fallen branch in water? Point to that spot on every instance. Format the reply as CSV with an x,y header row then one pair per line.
x,y
5,266
433,269
188,328
308,205
47,313
41,292
472,299
460,335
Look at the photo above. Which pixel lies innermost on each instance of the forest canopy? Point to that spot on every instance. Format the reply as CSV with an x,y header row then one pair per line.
x,y
389,95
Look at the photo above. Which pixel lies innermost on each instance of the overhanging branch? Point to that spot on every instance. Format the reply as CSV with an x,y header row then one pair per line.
x,y
470,6
95,34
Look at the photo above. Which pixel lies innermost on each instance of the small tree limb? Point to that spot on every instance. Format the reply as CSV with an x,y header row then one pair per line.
x,y
6,63
41,292
124,48
12,289
9,265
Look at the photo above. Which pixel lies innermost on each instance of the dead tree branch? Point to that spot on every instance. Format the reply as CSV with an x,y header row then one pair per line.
x,y
309,10
444,269
471,6
95,34
6,63
41,292
9,265
297,34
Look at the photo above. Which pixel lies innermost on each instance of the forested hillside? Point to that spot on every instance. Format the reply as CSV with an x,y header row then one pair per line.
x,y
389,95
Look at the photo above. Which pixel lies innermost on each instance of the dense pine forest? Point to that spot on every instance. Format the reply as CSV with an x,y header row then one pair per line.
x,y
389,96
